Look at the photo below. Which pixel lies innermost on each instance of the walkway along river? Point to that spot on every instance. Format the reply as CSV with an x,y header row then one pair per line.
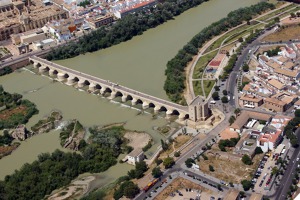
x,y
138,64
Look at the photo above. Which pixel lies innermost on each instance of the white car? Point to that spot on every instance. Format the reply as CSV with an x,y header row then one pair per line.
x,y
297,159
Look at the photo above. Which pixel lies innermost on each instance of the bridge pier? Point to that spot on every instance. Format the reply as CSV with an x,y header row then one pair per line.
x,y
181,116
133,101
156,109
112,95
102,91
35,65
70,81
145,105
80,84
51,72
124,98
92,87
169,113
61,77
42,69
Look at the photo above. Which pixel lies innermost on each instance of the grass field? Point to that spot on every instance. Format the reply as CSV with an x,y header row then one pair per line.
x,y
208,85
197,88
201,64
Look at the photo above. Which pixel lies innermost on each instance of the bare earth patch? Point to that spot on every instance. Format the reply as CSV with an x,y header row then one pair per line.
x,y
181,140
289,33
137,140
75,190
6,114
181,184
228,167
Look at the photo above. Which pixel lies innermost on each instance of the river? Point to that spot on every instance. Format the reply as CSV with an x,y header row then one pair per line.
x,y
138,63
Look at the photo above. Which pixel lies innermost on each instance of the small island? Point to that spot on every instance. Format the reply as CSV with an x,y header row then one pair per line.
x,y
14,110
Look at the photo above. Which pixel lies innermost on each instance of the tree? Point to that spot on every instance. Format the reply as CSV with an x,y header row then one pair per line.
x,y
237,111
168,162
242,194
158,161
246,160
224,99
275,170
276,19
231,120
293,15
241,39
225,93
246,184
245,68
140,168
131,190
1,89
219,187
211,168
215,96
294,142
164,145
156,172
189,162
217,88
258,150
297,113
177,154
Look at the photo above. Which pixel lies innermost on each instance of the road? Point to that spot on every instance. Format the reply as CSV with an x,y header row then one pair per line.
x,y
178,165
109,84
287,178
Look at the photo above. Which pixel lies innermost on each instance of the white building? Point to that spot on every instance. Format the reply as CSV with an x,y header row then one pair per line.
x,y
44,44
137,155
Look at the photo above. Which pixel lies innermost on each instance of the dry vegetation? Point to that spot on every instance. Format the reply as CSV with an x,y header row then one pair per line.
x,y
284,34
6,150
6,114
137,140
228,167
178,184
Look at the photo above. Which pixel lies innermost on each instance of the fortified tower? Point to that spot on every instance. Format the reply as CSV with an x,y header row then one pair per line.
x,y
199,110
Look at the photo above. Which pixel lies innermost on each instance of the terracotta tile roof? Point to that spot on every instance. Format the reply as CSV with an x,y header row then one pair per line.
x,y
252,98
288,65
275,101
297,103
277,84
288,73
246,115
273,64
228,134
270,137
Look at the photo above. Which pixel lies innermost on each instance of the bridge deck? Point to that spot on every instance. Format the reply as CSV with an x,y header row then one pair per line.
x,y
106,83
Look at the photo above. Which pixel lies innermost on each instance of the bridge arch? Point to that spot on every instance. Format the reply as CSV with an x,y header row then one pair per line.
x,y
139,101
98,87
151,105
163,108
175,112
119,94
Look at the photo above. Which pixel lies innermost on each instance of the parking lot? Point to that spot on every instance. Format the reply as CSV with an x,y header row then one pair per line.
x,y
263,177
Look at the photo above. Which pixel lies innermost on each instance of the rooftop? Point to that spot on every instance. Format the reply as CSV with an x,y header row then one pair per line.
x,y
246,97
277,84
136,152
246,115
228,134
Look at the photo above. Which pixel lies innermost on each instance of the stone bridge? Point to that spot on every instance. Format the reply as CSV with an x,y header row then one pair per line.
x,y
73,77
